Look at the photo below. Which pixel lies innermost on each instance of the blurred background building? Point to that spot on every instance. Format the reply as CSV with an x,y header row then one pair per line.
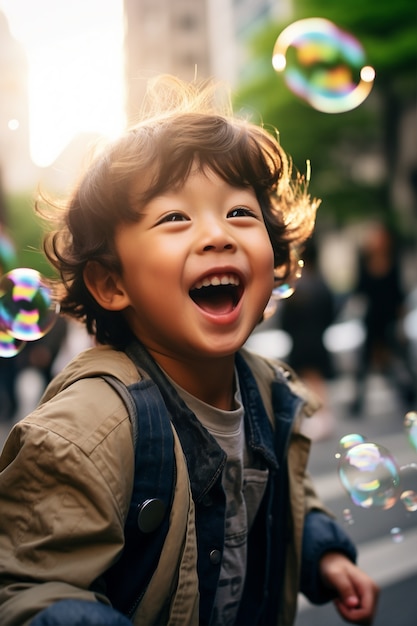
x,y
16,168
189,38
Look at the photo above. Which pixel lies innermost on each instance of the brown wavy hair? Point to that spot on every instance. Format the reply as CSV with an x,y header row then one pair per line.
x,y
181,125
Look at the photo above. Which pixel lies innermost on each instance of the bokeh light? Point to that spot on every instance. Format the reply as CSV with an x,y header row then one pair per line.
x,y
26,308
370,476
7,253
323,65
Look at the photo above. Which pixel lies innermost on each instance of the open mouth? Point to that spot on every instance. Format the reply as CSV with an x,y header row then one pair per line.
x,y
217,294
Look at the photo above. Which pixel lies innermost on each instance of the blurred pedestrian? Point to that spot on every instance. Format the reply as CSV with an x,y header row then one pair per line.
x,y
385,350
8,390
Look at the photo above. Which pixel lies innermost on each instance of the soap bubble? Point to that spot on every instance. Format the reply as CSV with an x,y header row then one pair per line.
x,y
323,64
347,441
396,534
352,439
286,289
347,517
408,496
370,475
409,500
283,291
9,346
26,310
410,425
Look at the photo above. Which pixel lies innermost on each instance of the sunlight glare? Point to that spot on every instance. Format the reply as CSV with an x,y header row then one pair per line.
x,y
75,63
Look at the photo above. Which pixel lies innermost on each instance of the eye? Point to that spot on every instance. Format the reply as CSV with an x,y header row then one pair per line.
x,y
173,217
241,211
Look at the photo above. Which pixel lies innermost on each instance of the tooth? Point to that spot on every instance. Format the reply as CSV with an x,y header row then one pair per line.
x,y
214,281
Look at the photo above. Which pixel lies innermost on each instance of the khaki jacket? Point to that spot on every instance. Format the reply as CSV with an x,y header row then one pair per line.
x,y
65,486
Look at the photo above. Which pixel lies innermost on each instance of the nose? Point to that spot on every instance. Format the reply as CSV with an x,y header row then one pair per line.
x,y
226,246
216,237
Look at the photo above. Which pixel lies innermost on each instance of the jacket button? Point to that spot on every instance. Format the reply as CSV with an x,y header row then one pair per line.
x,y
150,514
215,557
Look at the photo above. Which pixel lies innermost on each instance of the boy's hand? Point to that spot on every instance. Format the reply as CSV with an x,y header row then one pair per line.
x,y
357,593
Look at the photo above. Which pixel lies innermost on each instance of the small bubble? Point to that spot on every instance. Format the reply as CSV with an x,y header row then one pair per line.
x,y
396,534
347,442
370,476
286,289
409,500
283,291
347,517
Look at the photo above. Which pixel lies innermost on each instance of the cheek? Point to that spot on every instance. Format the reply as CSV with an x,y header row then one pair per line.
x,y
265,257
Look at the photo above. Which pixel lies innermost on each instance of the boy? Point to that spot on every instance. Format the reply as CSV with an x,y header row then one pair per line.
x,y
168,251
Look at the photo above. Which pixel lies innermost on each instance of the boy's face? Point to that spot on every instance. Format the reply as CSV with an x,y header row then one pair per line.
x,y
197,269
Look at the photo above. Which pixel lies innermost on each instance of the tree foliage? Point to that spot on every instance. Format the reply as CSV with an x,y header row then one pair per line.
x,y
27,232
338,145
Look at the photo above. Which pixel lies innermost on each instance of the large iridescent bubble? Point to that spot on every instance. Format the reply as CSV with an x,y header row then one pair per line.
x,y
323,64
26,308
370,475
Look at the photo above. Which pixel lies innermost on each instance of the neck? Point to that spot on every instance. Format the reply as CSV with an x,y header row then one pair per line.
x,y
211,381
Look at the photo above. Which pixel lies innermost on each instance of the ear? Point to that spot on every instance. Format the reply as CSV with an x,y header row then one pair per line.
x,y
105,287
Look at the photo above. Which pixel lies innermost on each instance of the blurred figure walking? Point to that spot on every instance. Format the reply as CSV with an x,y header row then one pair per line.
x,y
385,349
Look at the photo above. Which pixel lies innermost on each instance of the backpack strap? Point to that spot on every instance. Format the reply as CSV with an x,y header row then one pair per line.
x,y
147,521
126,396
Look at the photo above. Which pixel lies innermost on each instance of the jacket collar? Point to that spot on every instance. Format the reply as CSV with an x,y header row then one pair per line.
x,y
205,458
